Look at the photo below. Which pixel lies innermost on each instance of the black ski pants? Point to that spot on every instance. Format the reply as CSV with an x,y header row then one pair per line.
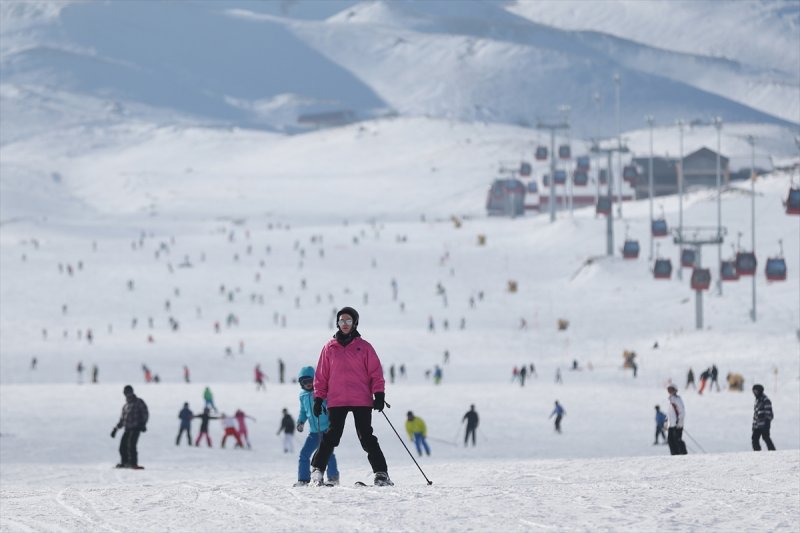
x,y
558,423
330,439
470,431
675,441
127,447
188,431
762,433
660,431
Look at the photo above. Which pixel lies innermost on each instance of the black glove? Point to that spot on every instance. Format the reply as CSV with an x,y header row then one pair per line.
x,y
378,403
113,433
317,409
144,429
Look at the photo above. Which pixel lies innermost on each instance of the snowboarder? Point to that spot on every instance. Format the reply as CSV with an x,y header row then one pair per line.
x,y
417,431
471,417
204,418
317,426
676,415
134,419
208,397
185,415
354,387
240,416
661,420
762,419
287,427
229,427
559,413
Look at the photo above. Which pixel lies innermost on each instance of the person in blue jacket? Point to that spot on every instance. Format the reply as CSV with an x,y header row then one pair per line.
x,y
317,426
186,416
559,413
661,421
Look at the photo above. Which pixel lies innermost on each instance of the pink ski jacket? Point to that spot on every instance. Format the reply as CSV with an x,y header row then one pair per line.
x,y
348,376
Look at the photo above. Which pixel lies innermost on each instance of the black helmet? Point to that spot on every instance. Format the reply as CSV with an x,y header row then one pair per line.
x,y
758,389
348,311
127,390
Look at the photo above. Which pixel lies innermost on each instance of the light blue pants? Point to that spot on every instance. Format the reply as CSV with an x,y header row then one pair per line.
x,y
421,443
304,465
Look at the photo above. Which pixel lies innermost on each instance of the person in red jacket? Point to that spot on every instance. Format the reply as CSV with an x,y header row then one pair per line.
x,y
350,377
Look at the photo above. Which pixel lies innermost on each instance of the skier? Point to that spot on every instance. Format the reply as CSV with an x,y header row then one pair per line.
x,y
523,373
134,419
690,379
471,417
317,426
287,427
714,376
661,420
186,374
259,378
559,413
185,416
762,419
208,397
95,372
558,376
350,377
704,377
417,431
229,427
437,374
240,416
281,370
676,414
80,372
204,418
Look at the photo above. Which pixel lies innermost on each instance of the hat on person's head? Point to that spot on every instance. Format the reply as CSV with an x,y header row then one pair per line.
x,y
127,390
348,311
758,388
307,372
672,388
410,414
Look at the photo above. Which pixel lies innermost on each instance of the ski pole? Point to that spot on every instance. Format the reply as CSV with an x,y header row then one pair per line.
x,y
695,442
404,445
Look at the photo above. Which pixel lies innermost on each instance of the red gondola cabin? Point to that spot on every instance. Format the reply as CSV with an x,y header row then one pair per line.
x,y
701,279
541,153
793,202
662,269
727,271
688,257
630,250
746,263
775,269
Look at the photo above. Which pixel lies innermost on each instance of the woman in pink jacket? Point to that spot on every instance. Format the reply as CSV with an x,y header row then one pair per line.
x,y
350,377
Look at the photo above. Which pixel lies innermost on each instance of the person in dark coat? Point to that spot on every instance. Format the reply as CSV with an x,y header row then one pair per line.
x,y
134,420
287,427
471,417
186,417
762,419
204,418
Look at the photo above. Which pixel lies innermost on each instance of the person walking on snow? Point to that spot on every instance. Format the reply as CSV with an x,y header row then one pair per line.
x,y
417,431
350,377
240,416
676,415
762,419
704,377
714,376
287,427
661,420
134,420
204,418
317,426
259,378
229,427
186,417
471,417
690,380
559,413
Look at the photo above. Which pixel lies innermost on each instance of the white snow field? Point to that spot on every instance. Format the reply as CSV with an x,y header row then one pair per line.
x,y
342,210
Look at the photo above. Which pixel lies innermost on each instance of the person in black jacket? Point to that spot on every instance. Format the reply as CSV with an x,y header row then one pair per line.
x,y
471,417
287,427
134,420
762,419
185,416
204,418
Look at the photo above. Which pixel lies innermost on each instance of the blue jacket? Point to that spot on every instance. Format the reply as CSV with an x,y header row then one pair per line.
x,y
306,413
661,418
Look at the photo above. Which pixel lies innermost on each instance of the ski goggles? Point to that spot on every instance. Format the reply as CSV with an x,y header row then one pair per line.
x,y
342,322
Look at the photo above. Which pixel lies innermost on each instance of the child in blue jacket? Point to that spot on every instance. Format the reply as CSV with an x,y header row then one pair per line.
x,y
317,426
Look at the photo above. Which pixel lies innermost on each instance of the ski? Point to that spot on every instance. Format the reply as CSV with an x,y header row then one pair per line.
x,y
360,484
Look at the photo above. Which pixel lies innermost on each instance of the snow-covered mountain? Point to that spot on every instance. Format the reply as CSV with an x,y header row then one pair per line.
x,y
265,64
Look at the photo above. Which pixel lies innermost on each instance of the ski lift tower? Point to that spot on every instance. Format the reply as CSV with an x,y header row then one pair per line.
x,y
553,127
697,237
596,149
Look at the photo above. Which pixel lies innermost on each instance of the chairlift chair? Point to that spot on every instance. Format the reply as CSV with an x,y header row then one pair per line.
x,y
662,269
564,151
746,263
580,178
541,153
560,177
525,169
659,228
701,279
688,257
603,206
793,201
630,250
727,270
